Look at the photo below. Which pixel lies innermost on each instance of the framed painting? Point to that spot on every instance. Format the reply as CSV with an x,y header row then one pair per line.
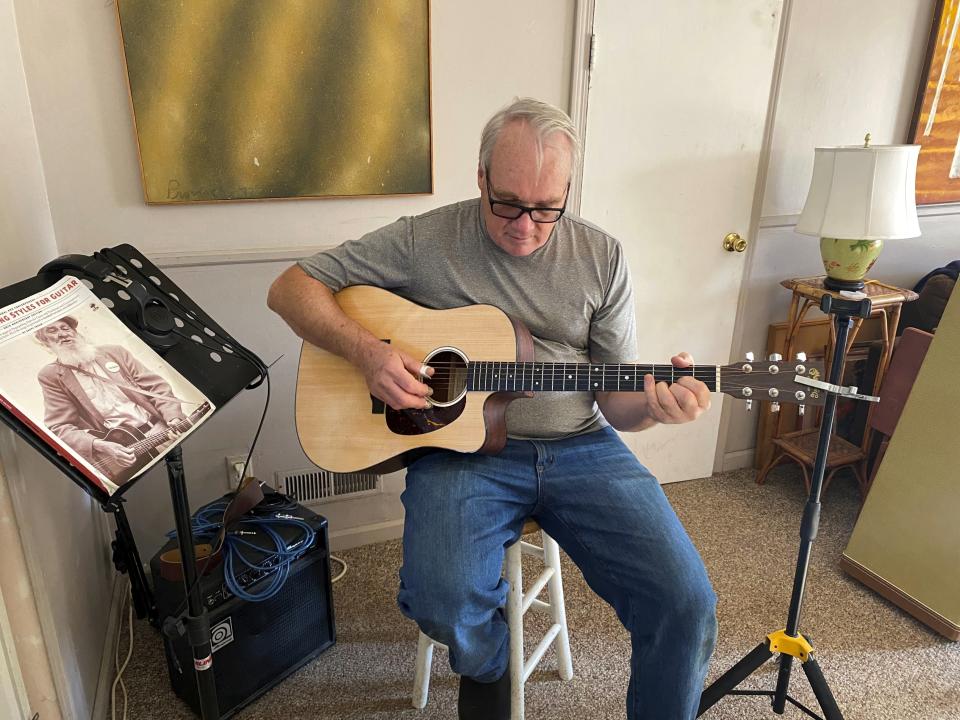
x,y
936,117
239,100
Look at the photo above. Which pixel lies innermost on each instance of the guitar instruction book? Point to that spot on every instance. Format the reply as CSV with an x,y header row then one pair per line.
x,y
99,396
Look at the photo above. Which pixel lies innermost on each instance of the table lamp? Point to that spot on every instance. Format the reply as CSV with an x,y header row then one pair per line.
x,y
860,195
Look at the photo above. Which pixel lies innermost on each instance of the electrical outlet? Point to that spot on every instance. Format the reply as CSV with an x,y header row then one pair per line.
x,y
234,466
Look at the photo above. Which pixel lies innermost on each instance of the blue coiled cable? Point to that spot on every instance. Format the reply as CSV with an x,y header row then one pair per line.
x,y
207,523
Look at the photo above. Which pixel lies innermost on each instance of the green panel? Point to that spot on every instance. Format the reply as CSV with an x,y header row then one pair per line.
x,y
908,532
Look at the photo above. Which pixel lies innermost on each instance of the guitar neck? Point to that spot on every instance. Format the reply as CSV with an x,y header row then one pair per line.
x,y
580,377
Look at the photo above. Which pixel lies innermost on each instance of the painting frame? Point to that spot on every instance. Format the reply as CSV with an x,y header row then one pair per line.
x,y
263,104
935,122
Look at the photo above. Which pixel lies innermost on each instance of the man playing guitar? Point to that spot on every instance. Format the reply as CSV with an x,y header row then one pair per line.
x,y
563,464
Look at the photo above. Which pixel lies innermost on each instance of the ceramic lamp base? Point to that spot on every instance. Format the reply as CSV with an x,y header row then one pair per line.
x,y
847,261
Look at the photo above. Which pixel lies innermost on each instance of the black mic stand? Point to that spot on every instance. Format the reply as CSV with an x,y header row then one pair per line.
x,y
789,642
126,559
196,623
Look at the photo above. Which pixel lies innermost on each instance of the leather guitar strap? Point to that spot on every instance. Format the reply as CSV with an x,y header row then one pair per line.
x,y
249,496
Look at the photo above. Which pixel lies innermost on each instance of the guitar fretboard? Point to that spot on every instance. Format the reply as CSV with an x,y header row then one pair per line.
x,y
570,377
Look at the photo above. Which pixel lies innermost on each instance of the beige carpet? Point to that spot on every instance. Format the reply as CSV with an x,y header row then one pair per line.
x,y
880,663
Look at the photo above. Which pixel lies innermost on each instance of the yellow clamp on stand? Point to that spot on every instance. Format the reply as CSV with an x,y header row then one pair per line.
x,y
797,646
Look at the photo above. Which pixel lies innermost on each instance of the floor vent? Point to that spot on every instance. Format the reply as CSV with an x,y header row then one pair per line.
x,y
320,486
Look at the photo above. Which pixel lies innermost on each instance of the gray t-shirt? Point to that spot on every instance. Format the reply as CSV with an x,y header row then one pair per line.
x,y
573,294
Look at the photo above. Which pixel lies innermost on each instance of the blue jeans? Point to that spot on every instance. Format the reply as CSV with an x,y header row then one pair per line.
x,y
609,515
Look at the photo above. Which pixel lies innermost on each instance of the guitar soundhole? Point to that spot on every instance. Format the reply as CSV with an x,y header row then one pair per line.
x,y
449,381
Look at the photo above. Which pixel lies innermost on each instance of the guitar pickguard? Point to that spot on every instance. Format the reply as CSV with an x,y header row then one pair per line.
x,y
420,422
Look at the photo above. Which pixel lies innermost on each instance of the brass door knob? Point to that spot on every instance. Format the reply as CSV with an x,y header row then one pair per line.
x,y
734,243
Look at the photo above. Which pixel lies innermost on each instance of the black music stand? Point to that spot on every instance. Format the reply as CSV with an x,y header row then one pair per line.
x,y
789,642
215,363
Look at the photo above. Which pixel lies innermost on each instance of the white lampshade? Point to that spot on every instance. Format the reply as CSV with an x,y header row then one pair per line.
x,y
862,193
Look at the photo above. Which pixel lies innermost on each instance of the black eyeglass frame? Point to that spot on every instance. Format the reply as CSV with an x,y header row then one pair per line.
x,y
525,208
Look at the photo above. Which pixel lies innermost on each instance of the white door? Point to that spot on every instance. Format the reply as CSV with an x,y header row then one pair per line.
x,y
677,108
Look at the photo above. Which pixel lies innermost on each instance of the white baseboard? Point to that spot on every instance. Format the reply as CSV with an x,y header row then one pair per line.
x,y
101,703
366,534
738,459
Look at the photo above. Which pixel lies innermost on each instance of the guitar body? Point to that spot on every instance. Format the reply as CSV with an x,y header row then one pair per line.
x,y
343,429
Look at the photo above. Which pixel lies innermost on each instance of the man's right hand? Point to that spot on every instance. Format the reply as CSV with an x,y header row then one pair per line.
x,y
392,376
115,452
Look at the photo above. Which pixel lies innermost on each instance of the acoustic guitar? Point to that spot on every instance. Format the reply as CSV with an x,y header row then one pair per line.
x,y
483,359
144,446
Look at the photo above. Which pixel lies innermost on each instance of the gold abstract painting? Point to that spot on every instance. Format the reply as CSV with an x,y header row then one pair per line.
x,y
248,99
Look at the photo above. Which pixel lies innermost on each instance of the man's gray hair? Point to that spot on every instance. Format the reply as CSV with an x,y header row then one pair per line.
x,y
544,118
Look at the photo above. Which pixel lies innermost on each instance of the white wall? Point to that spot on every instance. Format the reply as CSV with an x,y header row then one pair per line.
x,y
57,529
849,68
84,123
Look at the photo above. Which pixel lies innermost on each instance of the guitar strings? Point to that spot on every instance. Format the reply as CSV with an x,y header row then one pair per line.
x,y
444,371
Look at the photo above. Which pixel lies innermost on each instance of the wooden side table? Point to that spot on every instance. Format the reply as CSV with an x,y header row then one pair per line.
x,y
799,445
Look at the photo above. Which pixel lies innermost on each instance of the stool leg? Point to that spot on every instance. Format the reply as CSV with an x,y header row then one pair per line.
x,y
421,677
515,624
558,610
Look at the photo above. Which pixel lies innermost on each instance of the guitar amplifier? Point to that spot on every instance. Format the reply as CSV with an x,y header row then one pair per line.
x,y
255,644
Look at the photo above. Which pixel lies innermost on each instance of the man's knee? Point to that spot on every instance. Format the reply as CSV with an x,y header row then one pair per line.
x,y
447,599
476,635
691,611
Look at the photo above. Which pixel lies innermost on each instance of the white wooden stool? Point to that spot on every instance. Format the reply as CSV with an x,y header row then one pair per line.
x,y
518,602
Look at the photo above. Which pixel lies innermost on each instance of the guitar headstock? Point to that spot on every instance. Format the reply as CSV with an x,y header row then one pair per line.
x,y
773,380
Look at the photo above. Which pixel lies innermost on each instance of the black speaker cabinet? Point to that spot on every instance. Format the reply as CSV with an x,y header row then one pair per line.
x,y
255,644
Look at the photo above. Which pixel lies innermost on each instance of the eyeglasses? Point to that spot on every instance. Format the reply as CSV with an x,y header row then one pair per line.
x,y
512,211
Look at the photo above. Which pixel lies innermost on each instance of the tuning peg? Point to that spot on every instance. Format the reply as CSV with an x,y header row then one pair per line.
x,y
749,405
749,357
775,357
801,409
774,407
802,356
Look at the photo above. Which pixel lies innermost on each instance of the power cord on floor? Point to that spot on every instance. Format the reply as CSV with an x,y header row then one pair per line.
x,y
342,572
128,601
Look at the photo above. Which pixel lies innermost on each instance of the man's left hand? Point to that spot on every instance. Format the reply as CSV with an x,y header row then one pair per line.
x,y
676,403
172,432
